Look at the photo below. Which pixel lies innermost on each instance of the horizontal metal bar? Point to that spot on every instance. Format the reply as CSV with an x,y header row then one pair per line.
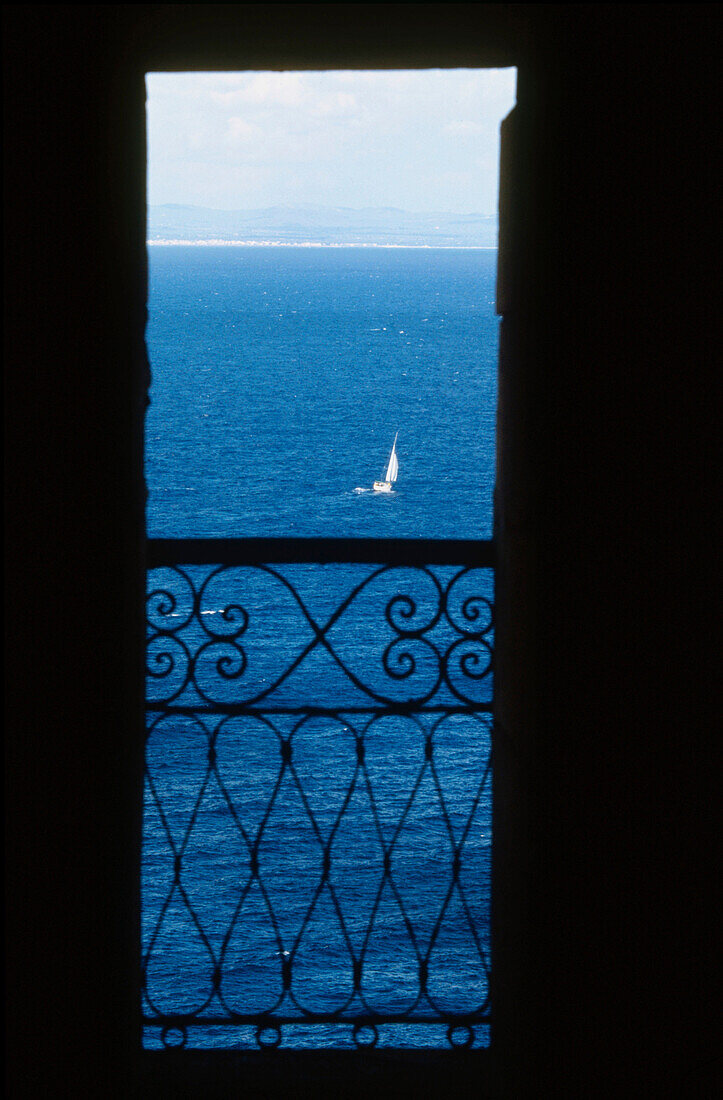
x,y
320,1019
258,551
319,712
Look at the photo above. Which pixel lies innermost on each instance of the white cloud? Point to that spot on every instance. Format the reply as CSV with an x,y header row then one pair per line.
x,y
265,89
464,128
340,104
417,140
241,132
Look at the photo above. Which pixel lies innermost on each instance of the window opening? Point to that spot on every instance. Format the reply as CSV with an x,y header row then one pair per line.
x,y
317,813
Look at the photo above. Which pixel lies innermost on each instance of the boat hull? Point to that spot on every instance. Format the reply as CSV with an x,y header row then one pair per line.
x,y
382,486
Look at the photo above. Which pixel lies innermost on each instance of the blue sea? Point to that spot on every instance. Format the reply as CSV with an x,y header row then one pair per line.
x,y
281,376
317,832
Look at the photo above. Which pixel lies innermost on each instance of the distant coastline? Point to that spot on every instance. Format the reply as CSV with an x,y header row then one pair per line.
x,y
315,244
319,227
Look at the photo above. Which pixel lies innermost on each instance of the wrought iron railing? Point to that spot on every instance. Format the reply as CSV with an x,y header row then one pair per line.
x,y
317,835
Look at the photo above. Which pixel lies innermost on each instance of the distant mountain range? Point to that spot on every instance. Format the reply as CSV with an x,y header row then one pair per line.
x,y
321,225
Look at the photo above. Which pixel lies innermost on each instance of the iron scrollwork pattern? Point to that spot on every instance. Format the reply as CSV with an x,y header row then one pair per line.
x,y
317,835
237,635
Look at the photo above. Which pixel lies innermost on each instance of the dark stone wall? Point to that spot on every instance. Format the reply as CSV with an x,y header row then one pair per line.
x,y
605,524
609,527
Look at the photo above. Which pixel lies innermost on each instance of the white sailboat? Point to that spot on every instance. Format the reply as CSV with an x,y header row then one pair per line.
x,y
390,476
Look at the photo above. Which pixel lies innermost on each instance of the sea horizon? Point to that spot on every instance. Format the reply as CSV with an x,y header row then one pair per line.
x,y
218,242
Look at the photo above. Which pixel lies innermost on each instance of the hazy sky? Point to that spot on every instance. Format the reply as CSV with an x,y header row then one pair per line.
x,y
421,141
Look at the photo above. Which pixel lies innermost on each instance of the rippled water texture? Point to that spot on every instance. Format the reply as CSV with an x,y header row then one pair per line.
x,y
280,376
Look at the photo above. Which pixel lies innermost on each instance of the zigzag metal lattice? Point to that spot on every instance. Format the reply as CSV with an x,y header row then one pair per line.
x,y
325,871
318,803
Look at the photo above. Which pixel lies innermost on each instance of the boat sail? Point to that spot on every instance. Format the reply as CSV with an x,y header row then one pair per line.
x,y
385,486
